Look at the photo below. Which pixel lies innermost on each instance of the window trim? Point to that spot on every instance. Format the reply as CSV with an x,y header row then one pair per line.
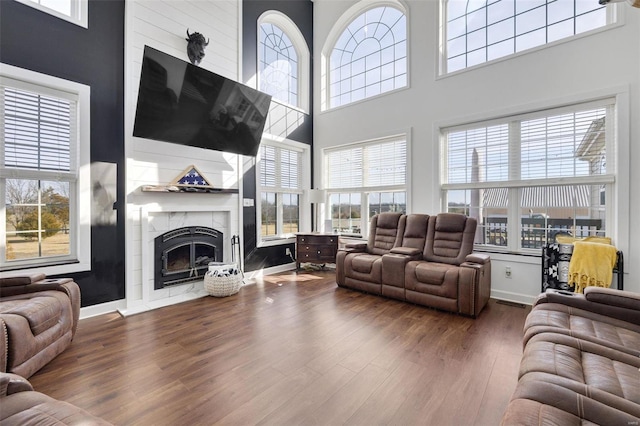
x,y
80,218
332,38
302,50
615,12
305,184
617,216
80,16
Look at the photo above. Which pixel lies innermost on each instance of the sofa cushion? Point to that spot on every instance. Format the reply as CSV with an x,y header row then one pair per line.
x,y
385,232
439,279
363,263
449,238
41,310
34,408
588,326
584,363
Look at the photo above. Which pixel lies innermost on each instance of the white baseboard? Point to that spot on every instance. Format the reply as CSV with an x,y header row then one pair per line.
x,y
268,271
508,296
103,308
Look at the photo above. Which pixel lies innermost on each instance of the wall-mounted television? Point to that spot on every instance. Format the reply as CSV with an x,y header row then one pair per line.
x,y
184,104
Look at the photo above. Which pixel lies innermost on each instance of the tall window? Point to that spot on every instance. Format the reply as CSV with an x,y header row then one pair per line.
x,y
280,180
278,64
531,177
284,69
365,179
480,31
369,57
74,11
40,177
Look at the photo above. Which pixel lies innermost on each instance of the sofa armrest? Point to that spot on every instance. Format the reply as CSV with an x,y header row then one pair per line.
x,y
619,304
12,383
355,247
406,251
21,281
480,258
474,285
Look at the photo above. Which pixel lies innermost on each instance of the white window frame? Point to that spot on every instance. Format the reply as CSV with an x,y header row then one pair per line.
x,y
80,199
364,191
338,29
615,18
79,11
616,179
283,22
305,183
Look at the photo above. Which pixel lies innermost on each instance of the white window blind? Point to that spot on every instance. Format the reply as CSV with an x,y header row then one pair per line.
x,y
534,149
280,168
378,164
39,131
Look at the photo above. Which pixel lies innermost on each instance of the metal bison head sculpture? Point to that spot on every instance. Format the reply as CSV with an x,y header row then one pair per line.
x,y
195,47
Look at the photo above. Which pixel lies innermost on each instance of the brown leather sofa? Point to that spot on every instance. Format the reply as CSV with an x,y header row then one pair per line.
x,y
38,319
581,360
20,405
422,259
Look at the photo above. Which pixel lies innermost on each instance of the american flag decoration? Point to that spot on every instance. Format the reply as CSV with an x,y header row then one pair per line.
x,y
191,176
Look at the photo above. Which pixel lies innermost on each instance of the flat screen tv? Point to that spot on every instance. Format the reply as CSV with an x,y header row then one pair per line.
x,y
184,104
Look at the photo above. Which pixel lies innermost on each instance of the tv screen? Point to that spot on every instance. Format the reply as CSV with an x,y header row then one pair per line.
x,y
182,103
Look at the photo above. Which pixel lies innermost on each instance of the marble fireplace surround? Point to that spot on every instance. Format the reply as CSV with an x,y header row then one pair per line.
x,y
155,220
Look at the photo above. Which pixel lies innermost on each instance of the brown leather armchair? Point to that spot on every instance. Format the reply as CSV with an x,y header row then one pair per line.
x,y
21,405
359,266
449,276
38,319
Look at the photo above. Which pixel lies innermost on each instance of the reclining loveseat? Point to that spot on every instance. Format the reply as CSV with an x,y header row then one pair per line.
x,y
422,259
581,360
38,319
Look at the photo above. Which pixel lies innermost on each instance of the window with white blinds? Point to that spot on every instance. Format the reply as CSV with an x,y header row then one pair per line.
x,y
280,186
38,131
540,173
363,180
370,165
40,179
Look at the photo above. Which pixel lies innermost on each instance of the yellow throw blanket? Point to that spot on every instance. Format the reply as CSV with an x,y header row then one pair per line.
x,y
591,264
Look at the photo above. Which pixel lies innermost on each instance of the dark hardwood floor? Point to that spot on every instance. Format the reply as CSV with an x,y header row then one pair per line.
x,y
294,349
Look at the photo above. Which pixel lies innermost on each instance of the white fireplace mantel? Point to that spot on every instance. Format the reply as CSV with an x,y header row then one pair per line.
x,y
156,218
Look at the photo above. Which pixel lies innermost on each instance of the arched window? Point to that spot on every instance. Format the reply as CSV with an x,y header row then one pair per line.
x,y
278,64
481,31
369,57
283,60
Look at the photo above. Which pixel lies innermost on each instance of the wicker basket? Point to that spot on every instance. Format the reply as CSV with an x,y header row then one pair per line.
x,y
222,286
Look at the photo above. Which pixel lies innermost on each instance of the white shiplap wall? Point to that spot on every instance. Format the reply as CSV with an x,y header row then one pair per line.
x,y
163,25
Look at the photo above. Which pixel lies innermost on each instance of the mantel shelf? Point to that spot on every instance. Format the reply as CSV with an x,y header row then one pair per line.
x,y
174,189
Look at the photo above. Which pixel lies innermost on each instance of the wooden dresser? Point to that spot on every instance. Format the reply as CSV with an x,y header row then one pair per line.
x,y
316,248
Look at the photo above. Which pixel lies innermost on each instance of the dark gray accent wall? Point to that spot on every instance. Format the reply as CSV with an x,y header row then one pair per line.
x,y
40,42
301,13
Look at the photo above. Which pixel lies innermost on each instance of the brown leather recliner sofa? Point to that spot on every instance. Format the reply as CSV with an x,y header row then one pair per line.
x,y
21,405
38,319
581,360
422,259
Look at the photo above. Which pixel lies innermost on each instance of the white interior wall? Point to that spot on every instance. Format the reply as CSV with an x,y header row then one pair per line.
x,y
163,26
605,63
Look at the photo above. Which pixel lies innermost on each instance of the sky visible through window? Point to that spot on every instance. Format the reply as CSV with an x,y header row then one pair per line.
x,y
370,56
278,65
61,6
480,31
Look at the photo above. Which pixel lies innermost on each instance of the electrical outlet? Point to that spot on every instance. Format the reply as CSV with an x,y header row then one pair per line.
x,y
507,271
287,251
